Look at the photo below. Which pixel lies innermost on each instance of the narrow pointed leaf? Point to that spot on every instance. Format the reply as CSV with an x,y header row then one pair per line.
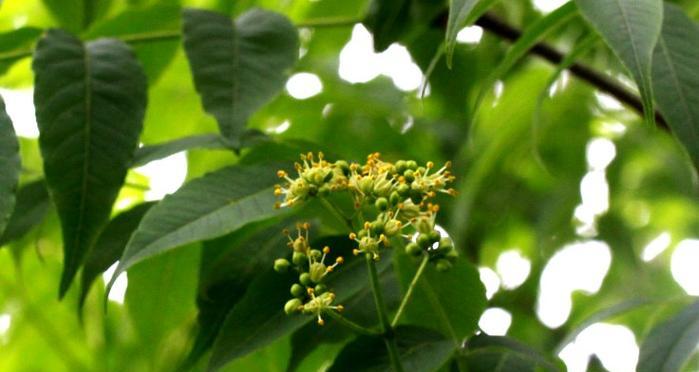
x,y
109,246
16,44
501,354
238,66
419,349
90,101
205,208
631,28
10,167
146,154
676,79
669,345
30,208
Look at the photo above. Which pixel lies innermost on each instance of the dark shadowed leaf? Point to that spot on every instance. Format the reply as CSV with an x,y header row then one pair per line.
x,y
631,28
238,66
387,20
420,349
90,102
30,208
676,79
670,344
10,166
257,320
501,354
205,208
450,302
109,246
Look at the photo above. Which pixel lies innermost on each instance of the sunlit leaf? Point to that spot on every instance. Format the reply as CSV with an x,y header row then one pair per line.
x,y
238,66
10,165
631,28
90,102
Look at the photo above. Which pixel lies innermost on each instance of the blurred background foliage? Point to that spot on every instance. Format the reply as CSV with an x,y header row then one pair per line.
x,y
538,169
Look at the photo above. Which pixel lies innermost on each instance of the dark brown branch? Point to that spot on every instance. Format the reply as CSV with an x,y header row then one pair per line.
x,y
602,82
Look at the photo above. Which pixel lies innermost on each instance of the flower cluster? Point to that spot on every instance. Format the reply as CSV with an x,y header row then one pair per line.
x,y
310,295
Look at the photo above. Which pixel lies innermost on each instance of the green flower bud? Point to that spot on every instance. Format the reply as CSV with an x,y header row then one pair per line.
x,y
299,259
443,265
305,279
423,240
292,306
424,225
281,265
297,290
421,170
401,166
413,249
320,289
366,185
409,176
312,190
392,227
362,233
317,271
395,198
343,166
316,254
377,227
446,243
381,204
411,164
451,254
300,245
403,190
434,236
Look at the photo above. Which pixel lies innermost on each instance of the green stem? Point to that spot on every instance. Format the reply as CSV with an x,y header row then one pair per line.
x,y
154,36
388,335
409,292
352,325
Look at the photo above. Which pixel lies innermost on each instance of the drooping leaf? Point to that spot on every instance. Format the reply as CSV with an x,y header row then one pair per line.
x,y
419,349
387,20
631,29
532,35
670,344
256,320
90,102
10,165
109,246
205,208
15,44
238,66
500,354
450,302
30,208
151,31
676,79
461,14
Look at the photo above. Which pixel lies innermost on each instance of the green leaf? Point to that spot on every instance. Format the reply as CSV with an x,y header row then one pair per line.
x,y
419,349
90,102
16,44
149,153
30,209
76,16
669,345
205,208
500,354
532,35
461,14
387,20
139,24
676,79
256,320
238,66
10,165
109,246
631,28
450,302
